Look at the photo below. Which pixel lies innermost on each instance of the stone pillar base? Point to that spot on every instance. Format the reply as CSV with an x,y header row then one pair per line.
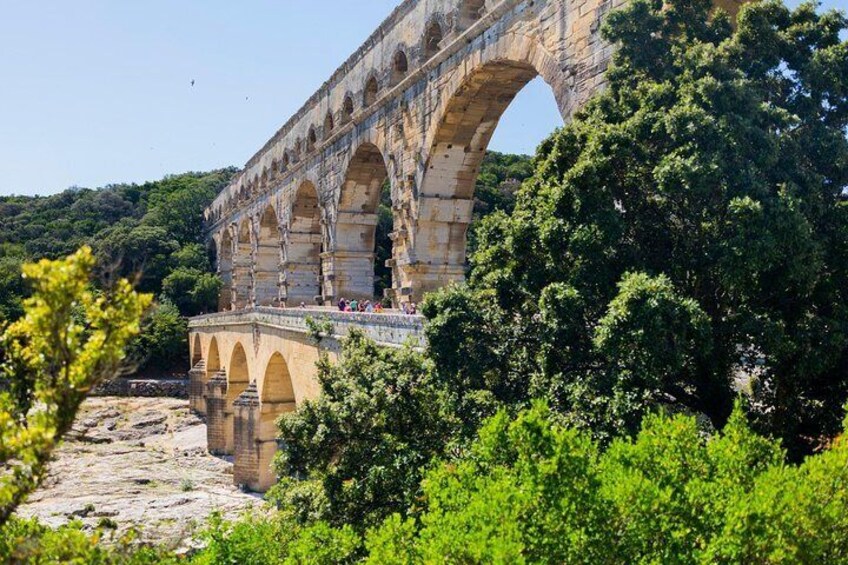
x,y
256,440
417,279
216,417
197,388
246,415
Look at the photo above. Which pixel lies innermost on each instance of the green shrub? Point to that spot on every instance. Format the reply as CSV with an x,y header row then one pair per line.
x,y
532,490
27,541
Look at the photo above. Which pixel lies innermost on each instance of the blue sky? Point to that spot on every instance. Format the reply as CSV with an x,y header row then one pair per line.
x,y
98,91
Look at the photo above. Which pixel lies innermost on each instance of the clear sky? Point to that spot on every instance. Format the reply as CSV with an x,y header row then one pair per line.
x,y
99,91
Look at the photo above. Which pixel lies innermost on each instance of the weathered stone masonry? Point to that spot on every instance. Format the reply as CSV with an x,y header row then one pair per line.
x,y
252,366
416,105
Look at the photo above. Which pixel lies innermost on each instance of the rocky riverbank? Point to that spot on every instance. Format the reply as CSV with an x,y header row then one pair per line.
x,y
138,463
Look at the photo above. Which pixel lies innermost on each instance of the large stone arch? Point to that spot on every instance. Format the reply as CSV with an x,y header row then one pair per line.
x,y
455,145
256,412
242,266
303,249
266,277
356,223
225,270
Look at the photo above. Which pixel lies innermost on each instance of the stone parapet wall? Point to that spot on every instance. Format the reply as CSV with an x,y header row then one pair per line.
x,y
387,329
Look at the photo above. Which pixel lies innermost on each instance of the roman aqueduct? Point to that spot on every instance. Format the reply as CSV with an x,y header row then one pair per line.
x,y
415,105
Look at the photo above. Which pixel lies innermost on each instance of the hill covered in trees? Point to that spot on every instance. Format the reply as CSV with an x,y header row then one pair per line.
x,y
153,233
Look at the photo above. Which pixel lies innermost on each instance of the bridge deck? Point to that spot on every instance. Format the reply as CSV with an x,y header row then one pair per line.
x,y
390,328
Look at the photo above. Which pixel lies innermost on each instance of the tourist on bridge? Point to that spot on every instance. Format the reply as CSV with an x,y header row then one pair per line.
x,y
342,305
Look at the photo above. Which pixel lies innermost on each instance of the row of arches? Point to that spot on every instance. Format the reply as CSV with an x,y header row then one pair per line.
x,y
241,409
271,264
432,41
324,246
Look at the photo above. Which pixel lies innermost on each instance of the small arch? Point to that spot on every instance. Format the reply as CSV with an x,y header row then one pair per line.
x,y
311,139
266,277
329,124
196,351
276,385
286,162
432,40
372,89
213,359
225,271
238,377
241,267
400,66
304,245
347,109
470,11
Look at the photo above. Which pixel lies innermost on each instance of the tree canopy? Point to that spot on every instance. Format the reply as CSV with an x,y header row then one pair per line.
x,y
684,238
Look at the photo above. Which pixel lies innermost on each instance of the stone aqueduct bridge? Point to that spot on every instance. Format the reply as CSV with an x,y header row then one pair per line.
x,y
249,367
415,105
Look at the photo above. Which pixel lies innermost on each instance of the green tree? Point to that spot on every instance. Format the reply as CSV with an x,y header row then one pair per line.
x,y
355,454
192,290
161,345
12,289
69,339
714,165
531,490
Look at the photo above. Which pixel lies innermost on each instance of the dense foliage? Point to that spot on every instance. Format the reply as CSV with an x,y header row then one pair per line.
x,y
356,452
150,233
533,491
26,541
684,238
69,339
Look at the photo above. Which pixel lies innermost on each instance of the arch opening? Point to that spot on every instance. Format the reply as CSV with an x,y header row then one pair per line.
x,y
302,268
364,210
225,271
238,374
372,89
432,40
268,258
311,139
328,125
400,66
347,109
242,267
213,359
470,11
447,189
276,385
196,350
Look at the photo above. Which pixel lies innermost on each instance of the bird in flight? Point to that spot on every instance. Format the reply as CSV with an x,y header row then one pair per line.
x,y
192,82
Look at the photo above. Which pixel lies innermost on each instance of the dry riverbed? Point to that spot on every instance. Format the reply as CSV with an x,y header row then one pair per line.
x,y
138,463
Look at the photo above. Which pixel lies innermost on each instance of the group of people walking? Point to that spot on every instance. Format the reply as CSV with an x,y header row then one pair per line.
x,y
376,307
360,306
